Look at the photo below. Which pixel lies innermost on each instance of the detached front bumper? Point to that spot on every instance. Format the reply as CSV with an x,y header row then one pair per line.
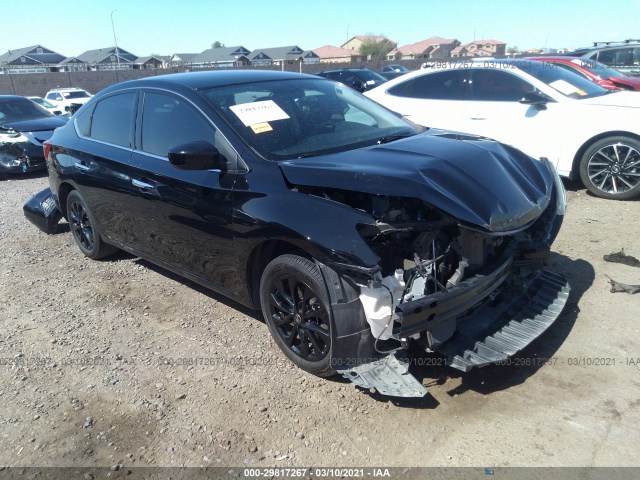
x,y
42,211
485,322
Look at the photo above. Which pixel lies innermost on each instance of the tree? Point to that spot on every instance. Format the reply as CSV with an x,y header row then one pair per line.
x,y
376,50
217,44
513,50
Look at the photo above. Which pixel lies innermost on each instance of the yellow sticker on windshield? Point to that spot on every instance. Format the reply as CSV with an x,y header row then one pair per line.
x,y
582,93
261,127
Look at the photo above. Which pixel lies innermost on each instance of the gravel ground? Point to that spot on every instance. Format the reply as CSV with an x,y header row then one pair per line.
x,y
95,369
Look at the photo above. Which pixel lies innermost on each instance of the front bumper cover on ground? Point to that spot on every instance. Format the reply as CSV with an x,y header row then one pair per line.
x,y
494,332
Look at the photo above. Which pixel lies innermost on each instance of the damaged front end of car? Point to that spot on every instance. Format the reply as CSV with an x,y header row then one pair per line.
x,y
475,292
20,152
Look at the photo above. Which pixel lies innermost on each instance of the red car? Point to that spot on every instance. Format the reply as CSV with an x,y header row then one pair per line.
x,y
597,72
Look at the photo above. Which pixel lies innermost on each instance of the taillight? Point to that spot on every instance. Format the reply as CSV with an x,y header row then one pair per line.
x,y
47,146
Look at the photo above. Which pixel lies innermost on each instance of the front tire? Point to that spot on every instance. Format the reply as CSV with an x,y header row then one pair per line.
x,y
610,168
296,308
84,228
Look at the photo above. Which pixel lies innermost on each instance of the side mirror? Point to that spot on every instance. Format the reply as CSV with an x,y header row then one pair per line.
x,y
196,156
536,99
357,85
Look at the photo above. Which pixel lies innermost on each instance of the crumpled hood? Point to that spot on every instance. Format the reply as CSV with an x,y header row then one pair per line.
x,y
36,124
479,182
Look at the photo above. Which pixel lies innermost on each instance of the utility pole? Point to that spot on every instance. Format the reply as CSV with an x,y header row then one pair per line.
x,y
114,39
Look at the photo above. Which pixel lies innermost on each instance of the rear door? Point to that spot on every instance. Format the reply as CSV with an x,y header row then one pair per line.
x,y
184,218
437,100
106,130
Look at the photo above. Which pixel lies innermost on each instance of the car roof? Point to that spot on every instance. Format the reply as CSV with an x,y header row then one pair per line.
x,y
208,79
345,70
12,97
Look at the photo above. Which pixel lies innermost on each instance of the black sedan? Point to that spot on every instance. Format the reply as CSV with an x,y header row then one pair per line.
x,y
352,230
23,127
360,79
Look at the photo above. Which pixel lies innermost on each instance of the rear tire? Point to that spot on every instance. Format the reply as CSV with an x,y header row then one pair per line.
x,y
84,228
296,308
610,168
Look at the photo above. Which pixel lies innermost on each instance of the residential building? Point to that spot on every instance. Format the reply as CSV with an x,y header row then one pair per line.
x,y
480,48
282,56
181,59
34,59
110,58
152,61
354,43
331,54
434,47
224,57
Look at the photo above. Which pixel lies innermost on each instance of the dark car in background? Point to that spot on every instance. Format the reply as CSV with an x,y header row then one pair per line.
x,y
355,232
23,127
623,56
393,71
360,79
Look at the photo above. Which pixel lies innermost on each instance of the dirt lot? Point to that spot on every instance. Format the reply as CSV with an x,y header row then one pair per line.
x,y
95,369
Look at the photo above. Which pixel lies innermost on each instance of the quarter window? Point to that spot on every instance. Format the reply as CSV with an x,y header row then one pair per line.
x,y
168,121
447,85
112,119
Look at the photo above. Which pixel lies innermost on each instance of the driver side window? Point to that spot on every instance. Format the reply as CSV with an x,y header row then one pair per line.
x,y
169,121
488,85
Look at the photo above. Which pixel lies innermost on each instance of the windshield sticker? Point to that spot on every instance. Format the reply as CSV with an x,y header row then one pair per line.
x,y
261,127
258,112
565,87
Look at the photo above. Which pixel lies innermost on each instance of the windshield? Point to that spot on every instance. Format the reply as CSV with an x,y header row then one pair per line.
x,y
304,117
20,109
75,94
367,75
599,69
567,83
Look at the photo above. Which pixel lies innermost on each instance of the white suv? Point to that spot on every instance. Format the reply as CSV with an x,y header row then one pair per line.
x,y
64,97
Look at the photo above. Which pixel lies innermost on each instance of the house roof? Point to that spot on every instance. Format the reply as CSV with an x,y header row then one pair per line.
x,y
479,43
159,58
221,54
71,60
421,46
185,57
291,52
46,57
99,55
329,51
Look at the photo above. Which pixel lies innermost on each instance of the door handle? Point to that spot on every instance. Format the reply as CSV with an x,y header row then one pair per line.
x,y
81,166
140,184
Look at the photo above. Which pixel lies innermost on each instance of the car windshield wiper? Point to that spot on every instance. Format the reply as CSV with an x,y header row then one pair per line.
x,y
393,137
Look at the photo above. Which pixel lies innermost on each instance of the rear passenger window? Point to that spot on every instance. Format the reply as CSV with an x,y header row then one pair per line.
x,y
169,121
447,85
113,118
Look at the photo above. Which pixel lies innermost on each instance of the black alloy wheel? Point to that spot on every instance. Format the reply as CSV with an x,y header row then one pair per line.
x,y
296,309
84,230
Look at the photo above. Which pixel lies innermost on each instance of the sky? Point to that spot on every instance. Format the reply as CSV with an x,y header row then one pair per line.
x,y
145,27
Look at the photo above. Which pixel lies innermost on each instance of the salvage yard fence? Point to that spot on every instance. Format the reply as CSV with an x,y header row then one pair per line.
x,y
38,84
